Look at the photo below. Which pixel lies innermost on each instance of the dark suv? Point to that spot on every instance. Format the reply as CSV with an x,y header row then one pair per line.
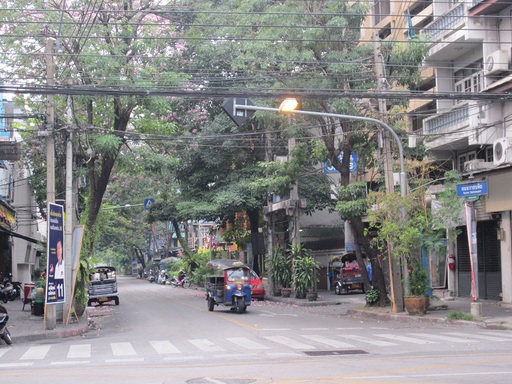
x,y
102,285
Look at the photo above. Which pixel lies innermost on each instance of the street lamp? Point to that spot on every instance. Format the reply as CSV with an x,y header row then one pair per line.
x,y
241,109
289,105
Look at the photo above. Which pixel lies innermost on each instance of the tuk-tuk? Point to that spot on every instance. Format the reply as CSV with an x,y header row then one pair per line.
x,y
228,285
349,277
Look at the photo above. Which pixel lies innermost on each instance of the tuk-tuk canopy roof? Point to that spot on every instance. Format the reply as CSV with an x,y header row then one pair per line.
x,y
223,264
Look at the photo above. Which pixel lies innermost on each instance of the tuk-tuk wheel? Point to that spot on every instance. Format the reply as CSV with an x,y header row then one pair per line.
x,y
337,289
240,305
211,304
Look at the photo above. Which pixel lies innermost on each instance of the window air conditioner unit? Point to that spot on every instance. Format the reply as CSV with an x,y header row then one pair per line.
x,y
475,165
496,62
502,151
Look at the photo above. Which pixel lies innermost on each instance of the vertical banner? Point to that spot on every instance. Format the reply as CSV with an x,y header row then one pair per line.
x,y
55,255
473,257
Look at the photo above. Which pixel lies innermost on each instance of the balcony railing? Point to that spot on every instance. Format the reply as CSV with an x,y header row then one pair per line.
x,y
471,84
446,122
445,23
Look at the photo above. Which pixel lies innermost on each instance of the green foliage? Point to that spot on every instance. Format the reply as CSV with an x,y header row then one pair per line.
x,y
457,315
305,274
107,145
372,297
281,266
352,201
418,278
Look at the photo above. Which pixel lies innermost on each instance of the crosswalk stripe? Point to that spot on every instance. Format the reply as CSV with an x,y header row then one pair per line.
x,y
328,341
3,351
205,345
286,341
477,336
164,347
79,351
368,340
36,353
404,338
443,337
122,349
247,343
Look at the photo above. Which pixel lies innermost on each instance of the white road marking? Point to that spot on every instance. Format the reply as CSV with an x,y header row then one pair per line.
x,y
368,340
79,351
15,365
123,349
133,360
247,343
206,345
444,338
36,353
74,362
289,342
328,341
477,336
404,339
164,347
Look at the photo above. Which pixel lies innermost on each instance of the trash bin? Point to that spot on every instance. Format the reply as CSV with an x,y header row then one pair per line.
x,y
39,306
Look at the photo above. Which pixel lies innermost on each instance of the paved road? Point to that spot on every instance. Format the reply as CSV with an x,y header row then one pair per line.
x,y
166,335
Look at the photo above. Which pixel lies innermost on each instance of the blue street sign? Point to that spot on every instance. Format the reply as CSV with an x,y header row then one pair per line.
x,y
148,203
328,168
472,189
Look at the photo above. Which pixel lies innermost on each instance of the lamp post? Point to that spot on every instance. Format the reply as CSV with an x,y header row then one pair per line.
x,y
289,105
241,109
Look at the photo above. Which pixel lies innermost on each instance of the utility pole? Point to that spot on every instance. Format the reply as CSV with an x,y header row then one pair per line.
x,y
68,225
394,265
293,210
50,310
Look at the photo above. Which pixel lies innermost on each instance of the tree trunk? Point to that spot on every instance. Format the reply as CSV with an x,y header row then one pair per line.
x,y
254,220
99,180
378,280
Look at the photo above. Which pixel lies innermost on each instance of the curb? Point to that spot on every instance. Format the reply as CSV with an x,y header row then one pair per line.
x,y
358,313
51,334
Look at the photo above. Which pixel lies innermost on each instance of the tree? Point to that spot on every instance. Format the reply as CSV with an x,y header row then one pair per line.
x,y
307,46
114,44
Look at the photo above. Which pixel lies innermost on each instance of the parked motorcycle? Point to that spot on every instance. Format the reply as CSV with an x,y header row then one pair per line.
x,y
7,291
151,277
4,332
184,282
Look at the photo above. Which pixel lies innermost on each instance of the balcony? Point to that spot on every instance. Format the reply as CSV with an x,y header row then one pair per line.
x,y
453,34
488,7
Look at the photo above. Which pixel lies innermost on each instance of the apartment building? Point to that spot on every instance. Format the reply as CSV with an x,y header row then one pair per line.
x,y
467,124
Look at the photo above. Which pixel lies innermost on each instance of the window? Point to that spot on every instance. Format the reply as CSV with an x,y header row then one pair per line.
x,y
464,157
381,9
469,79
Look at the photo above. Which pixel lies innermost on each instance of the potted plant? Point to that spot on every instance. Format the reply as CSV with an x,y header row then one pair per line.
x,y
305,277
416,300
286,274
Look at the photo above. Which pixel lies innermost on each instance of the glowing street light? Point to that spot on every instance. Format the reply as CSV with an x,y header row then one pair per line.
x,y
236,107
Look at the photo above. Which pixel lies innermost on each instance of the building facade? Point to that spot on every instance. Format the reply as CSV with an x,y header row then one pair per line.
x,y
467,125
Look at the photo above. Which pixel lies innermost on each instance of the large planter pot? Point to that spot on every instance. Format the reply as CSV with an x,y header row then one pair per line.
x,y
286,292
300,295
277,291
416,305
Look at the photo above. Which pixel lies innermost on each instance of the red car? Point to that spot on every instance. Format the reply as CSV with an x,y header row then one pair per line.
x,y
257,288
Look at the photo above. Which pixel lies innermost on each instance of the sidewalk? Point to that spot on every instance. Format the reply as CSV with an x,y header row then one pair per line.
x,y
493,314
24,326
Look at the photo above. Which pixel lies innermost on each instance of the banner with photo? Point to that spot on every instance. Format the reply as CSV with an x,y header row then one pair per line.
x,y
55,255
